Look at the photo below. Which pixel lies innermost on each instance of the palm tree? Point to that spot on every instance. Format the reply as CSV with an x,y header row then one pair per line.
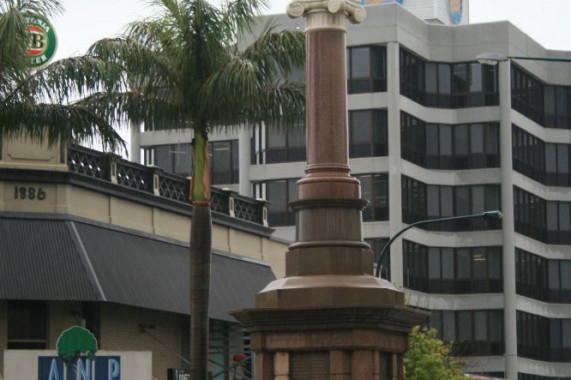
x,y
37,103
187,69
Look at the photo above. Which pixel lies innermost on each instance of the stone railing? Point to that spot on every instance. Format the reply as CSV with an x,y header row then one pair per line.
x,y
153,180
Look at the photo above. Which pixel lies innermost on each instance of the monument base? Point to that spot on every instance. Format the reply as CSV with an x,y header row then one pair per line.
x,y
342,343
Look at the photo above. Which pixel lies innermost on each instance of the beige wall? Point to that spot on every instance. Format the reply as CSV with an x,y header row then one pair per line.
x,y
23,153
274,254
119,211
120,331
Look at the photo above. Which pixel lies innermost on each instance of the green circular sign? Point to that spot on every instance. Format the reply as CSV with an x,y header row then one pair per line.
x,y
42,43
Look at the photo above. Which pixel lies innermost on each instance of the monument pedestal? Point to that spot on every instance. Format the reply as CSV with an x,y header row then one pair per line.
x,y
343,343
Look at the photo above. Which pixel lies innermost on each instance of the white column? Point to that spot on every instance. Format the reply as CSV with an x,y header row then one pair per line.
x,y
135,140
244,148
508,262
395,161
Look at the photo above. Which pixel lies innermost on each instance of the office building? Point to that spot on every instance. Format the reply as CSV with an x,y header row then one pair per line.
x,y
433,133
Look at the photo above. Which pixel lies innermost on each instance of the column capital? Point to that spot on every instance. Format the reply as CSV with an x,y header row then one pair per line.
x,y
327,14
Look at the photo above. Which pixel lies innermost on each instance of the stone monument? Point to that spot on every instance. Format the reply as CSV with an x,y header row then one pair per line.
x,y
329,318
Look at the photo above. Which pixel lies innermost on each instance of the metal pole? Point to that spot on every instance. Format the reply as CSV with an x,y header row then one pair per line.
x,y
486,214
541,59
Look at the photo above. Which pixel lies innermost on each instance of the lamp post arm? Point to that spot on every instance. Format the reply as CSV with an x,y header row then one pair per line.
x,y
487,214
548,59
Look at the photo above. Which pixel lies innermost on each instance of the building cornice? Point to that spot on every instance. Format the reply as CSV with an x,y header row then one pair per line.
x,y
141,197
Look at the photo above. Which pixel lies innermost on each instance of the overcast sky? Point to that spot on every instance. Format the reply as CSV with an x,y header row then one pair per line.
x,y
85,21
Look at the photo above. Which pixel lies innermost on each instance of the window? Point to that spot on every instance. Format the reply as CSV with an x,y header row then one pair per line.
x,y
546,221
530,215
177,159
525,376
527,94
448,85
557,165
174,158
421,201
547,105
528,154
27,325
442,146
366,69
474,332
224,162
547,163
279,193
543,279
368,133
412,80
375,189
285,146
444,97
460,85
444,270
543,338
377,245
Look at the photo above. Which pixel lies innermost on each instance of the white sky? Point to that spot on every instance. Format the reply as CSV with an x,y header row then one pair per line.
x,y
85,21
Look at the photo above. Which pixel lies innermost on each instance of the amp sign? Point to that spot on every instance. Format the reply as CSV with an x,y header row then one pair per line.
x,y
98,368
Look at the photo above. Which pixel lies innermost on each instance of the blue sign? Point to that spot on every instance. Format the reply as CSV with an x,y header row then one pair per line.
x,y
373,2
99,368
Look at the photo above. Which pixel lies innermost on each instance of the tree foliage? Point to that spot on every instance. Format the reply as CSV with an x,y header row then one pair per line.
x,y
41,103
186,68
428,357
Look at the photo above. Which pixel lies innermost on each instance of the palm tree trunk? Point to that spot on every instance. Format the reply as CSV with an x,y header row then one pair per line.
x,y
201,242
200,249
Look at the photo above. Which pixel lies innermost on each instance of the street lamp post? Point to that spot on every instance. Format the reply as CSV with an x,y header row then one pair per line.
x,y
486,215
494,58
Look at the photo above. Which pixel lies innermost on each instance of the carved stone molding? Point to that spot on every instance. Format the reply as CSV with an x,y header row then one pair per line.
x,y
327,14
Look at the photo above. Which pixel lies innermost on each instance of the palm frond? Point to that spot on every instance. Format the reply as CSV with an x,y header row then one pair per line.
x,y
281,105
141,65
240,15
68,79
231,87
135,107
56,122
47,8
14,41
277,52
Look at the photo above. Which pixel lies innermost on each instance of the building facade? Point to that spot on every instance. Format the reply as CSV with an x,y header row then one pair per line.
x,y
93,240
433,133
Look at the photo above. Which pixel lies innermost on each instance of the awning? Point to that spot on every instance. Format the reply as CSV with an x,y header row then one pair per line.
x,y
69,259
